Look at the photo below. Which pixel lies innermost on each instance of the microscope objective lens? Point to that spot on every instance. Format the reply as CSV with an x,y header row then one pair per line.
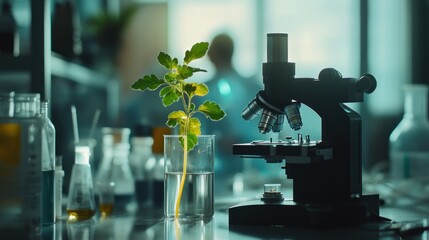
x,y
293,116
278,124
267,120
251,111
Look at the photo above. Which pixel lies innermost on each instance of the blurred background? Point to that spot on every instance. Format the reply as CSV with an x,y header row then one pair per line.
x,y
88,53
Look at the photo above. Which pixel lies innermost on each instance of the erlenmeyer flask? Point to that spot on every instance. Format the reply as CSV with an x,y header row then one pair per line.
x,y
81,203
115,168
408,145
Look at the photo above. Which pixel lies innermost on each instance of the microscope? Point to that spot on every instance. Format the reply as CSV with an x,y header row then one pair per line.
x,y
326,174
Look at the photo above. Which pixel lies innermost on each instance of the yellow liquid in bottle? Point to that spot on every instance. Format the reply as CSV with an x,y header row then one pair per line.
x,y
80,214
106,209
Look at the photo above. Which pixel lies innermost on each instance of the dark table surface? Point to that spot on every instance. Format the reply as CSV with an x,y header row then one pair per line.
x,y
150,224
397,210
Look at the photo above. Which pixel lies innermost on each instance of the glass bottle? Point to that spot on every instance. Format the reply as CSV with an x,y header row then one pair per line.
x,y
9,38
158,166
115,167
408,143
48,162
24,201
80,202
141,155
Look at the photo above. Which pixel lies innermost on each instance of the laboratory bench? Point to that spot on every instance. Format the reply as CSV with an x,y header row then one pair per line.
x,y
150,224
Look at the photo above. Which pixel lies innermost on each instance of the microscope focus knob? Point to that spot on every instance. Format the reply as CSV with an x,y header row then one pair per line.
x,y
366,83
329,74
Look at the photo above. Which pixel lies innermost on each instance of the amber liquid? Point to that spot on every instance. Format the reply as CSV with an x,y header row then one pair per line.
x,y
105,209
80,214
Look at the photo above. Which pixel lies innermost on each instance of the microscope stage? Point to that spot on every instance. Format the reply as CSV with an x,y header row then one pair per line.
x,y
291,151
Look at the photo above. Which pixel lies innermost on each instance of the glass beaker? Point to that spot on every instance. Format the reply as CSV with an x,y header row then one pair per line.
x,y
196,200
81,203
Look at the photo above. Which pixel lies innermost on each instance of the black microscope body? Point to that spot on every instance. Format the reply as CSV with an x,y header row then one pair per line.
x,y
327,174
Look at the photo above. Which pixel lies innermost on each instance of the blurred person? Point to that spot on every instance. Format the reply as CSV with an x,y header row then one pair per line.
x,y
232,92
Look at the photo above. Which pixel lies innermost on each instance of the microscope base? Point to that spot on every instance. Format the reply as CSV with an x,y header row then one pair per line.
x,y
289,213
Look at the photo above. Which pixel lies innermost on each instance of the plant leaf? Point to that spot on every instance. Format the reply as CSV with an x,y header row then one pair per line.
x,y
194,70
192,141
194,126
198,50
199,89
170,77
169,95
212,110
175,117
192,107
150,82
165,60
184,71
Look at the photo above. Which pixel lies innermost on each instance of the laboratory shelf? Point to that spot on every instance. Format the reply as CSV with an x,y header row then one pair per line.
x,y
65,69
76,72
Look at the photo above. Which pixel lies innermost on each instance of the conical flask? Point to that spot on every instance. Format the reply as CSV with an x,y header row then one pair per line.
x,y
81,203
408,143
115,167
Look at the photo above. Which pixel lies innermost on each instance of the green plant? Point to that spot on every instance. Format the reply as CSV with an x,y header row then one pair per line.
x,y
174,88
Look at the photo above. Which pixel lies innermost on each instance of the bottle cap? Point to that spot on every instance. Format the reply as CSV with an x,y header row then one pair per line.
x,y
119,135
82,154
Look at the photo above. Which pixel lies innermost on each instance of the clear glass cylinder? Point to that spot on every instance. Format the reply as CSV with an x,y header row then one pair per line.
x,y
408,142
196,200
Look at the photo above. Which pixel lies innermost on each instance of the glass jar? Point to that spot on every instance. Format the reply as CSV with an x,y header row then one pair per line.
x,y
25,200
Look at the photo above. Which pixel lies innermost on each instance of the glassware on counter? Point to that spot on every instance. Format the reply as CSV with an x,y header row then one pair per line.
x,y
80,202
408,143
158,166
26,166
115,167
58,187
196,196
142,161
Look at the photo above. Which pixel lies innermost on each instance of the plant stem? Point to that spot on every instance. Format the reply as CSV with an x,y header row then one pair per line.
x,y
182,181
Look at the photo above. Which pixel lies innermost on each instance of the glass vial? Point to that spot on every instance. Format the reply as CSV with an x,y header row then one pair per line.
x,y
141,161
48,162
81,203
408,143
158,166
